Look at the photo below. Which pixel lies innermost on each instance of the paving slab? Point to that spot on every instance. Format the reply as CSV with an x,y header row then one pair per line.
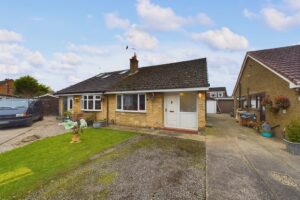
x,y
14,137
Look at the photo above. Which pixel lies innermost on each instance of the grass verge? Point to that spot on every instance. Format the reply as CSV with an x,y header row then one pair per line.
x,y
48,158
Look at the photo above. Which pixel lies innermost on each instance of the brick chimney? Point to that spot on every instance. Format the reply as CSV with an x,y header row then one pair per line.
x,y
134,64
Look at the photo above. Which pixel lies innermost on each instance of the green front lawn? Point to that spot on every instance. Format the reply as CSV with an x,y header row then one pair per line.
x,y
24,169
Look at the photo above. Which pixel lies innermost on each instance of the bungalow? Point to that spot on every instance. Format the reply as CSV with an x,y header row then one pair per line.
x,y
266,78
162,96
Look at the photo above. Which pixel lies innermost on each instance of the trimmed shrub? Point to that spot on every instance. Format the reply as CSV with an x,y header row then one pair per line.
x,y
293,131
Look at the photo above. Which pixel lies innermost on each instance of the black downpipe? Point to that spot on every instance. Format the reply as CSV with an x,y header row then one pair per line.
x,y
107,111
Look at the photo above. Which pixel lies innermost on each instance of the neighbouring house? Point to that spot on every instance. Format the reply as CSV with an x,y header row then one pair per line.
x,y
266,78
218,101
162,96
5,96
7,87
217,92
50,104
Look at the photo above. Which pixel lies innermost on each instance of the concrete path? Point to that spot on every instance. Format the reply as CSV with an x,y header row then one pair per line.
x,y
243,165
11,138
160,132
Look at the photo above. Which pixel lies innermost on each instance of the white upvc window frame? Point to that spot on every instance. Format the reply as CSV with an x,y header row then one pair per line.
x,y
138,102
94,102
213,94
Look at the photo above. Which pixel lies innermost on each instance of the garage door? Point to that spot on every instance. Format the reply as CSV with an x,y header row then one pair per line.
x,y
211,106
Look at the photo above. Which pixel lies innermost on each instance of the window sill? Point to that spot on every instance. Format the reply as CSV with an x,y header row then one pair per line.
x,y
91,110
131,111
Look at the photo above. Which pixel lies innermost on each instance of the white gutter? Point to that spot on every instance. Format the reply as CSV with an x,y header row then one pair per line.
x,y
79,94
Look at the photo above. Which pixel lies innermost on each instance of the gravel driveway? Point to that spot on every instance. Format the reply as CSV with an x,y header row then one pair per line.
x,y
11,138
145,167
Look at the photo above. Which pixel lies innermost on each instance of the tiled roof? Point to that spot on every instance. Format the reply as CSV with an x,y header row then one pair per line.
x,y
95,84
217,89
284,60
186,74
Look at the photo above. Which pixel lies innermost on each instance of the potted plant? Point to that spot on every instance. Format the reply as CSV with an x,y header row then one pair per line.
x,y
292,137
267,102
101,123
282,102
90,119
274,109
67,115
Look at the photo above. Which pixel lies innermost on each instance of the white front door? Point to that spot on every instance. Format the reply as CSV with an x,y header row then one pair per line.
x,y
70,103
171,110
181,110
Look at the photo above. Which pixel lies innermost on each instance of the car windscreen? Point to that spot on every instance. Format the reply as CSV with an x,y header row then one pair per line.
x,y
13,103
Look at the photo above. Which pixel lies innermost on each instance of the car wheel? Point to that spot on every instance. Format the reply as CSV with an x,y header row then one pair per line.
x,y
41,118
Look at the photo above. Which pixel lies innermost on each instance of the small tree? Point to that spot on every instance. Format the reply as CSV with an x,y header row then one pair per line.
x,y
28,86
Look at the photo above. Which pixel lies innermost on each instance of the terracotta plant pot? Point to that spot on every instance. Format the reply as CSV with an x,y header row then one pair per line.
x,y
75,138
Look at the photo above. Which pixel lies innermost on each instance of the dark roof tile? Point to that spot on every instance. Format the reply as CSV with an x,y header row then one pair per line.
x,y
284,60
186,74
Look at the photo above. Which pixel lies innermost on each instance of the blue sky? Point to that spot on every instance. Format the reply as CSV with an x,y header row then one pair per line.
x,y
62,42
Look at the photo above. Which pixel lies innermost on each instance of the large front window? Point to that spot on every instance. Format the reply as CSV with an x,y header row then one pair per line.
x,y
188,102
91,102
131,102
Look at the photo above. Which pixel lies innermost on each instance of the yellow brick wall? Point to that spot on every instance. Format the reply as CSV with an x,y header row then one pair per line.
x,y
201,110
152,118
76,104
259,79
60,106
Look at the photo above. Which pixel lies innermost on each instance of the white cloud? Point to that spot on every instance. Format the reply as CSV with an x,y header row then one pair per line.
x,y
293,4
137,38
223,39
157,17
74,79
14,59
165,19
203,19
249,14
283,15
36,58
279,20
113,20
87,49
66,60
9,36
